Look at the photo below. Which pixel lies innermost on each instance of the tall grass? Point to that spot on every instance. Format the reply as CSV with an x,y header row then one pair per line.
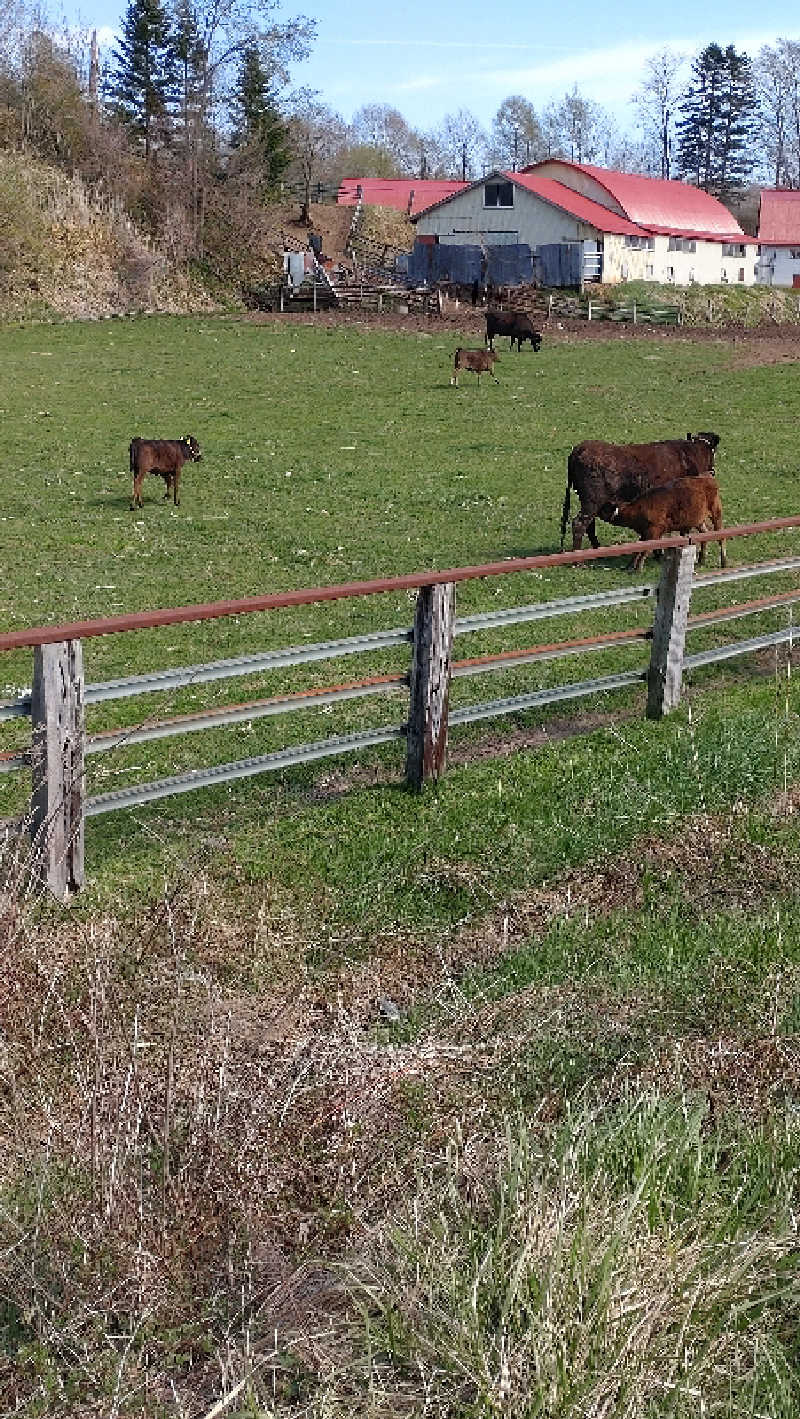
x,y
629,1265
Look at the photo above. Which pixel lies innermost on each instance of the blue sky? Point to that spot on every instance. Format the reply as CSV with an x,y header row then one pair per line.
x,y
430,60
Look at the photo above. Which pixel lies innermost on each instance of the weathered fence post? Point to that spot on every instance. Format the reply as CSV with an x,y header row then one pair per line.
x,y
665,674
430,684
57,802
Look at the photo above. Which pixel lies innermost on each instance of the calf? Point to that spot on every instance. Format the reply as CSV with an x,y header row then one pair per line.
x,y
604,474
164,457
684,506
479,361
516,324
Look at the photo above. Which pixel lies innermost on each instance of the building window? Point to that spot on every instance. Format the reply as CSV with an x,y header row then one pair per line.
x,y
649,270
681,244
795,253
741,273
734,248
670,273
641,243
498,194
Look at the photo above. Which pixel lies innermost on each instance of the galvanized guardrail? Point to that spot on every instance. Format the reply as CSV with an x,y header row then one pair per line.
x,y
58,696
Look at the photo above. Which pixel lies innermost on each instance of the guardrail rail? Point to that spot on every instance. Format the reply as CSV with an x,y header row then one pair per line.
x,y
57,701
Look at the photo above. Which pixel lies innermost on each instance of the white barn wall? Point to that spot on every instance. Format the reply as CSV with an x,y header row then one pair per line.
x,y
705,266
778,265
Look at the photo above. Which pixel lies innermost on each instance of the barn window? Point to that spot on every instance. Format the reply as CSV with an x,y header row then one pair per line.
x,y
795,253
498,194
641,243
734,248
741,273
681,244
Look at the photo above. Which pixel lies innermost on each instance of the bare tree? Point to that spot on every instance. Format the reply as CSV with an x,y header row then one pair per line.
x,y
317,135
384,129
463,145
777,78
517,138
573,128
656,100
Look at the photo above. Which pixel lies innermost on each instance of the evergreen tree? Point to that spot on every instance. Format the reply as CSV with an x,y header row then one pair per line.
x,y
142,81
258,127
718,124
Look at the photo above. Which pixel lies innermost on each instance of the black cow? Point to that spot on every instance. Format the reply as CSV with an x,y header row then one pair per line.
x,y
605,474
516,324
165,457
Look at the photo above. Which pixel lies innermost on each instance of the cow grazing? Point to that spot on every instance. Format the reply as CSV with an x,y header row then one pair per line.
x,y
165,457
605,474
516,324
685,505
479,361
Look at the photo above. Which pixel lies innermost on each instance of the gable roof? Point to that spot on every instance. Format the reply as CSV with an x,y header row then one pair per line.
x,y
779,217
660,204
559,195
401,192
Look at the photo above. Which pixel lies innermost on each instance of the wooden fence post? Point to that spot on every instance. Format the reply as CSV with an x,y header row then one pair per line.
x,y
665,674
57,802
430,684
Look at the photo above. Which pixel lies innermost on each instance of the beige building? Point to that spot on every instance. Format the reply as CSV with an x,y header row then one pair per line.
x,y
622,226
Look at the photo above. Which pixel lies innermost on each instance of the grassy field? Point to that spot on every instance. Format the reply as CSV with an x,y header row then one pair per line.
x,y
331,1100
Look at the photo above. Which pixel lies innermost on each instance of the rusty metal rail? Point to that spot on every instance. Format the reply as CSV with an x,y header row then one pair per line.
x,y
414,581
58,659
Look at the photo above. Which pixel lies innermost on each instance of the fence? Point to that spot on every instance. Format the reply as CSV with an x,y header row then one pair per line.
x,y
58,697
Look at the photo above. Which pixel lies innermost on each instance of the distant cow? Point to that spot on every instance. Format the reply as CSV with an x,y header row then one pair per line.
x,y
686,505
516,324
165,457
604,474
479,361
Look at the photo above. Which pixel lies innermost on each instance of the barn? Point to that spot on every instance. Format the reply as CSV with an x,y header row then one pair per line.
x,y
779,237
585,223
405,194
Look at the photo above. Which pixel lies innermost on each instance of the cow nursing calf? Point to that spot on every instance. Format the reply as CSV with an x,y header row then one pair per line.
x,y
517,325
606,474
479,361
164,457
685,505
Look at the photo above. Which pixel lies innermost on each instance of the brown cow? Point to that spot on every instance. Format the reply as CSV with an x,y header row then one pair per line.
x,y
604,474
686,505
164,457
479,361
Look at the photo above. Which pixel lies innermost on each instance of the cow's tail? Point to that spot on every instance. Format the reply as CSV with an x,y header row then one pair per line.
x,y
565,510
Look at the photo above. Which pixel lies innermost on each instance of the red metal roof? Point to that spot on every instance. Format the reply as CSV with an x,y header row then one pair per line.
x,y
397,192
576,204
673,208
779,217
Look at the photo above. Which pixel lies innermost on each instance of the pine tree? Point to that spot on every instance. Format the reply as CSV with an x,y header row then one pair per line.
x,y
257,123
718,124
142,81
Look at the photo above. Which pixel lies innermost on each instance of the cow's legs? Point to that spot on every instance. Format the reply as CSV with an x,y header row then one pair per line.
x,y
583,525
136,499
167,485
176,475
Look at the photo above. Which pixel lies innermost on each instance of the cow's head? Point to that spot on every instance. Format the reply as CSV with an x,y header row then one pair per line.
x,y
193,447
711,439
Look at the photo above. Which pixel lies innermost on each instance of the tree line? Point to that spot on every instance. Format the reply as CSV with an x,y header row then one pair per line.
x,y
191,120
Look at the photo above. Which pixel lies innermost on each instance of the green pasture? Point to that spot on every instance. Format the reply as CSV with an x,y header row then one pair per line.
x,y
332,454
564,1180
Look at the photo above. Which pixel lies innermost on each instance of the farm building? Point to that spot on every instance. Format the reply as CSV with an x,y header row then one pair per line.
x,y
779,237
587,223
405,194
